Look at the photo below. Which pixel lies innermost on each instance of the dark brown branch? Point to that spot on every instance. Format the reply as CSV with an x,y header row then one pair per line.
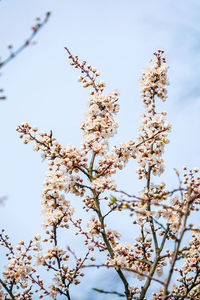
x,y
108,292
7,290
109,247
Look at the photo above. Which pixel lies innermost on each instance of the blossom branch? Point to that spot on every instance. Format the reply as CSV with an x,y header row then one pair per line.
x,y
89,72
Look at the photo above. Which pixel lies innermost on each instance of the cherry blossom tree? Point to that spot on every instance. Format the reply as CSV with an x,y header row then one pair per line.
x,y
164,257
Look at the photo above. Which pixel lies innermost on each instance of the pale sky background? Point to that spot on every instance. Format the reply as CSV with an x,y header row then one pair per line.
x,y
117,37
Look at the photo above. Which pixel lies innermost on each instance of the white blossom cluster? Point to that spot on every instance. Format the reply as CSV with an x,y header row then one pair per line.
x,y
160,217
99,124
154,128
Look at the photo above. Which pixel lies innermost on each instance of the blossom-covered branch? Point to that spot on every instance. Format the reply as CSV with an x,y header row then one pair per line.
x,y
160,217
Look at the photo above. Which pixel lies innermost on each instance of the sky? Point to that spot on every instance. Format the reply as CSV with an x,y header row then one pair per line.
x,y
118,38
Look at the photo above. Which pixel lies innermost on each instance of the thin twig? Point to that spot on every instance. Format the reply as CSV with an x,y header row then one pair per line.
x,y
108,292
35,30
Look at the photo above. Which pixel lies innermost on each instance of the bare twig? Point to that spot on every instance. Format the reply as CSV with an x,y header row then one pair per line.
x,y
108,292
125,269
35,29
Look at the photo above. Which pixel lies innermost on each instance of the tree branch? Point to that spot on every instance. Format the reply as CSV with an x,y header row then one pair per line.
x,y
35,29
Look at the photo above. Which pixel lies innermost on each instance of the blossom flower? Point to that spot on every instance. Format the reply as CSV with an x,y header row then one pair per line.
x,y
153,85
162,217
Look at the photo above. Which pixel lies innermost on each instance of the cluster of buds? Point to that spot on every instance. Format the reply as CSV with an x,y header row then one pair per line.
x,y
40,22
89,73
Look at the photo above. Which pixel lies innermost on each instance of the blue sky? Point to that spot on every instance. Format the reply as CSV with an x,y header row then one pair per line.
x,y
118,37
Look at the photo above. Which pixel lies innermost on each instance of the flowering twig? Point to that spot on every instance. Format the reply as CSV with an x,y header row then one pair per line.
x,y
90,73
